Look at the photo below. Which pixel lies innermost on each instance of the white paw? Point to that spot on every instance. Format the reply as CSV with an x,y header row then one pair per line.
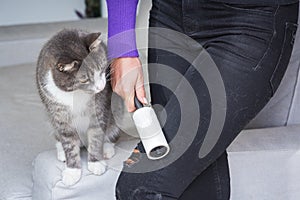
x,y
97,168
108,150
61,156
70,176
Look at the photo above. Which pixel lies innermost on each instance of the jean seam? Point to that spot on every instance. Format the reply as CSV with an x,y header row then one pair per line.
x,y
256,11
217,181
270,43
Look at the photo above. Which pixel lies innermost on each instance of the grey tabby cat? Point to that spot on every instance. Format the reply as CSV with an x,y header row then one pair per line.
x,y
71,79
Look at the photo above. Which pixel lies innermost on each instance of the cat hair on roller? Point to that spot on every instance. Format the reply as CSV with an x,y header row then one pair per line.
x,y
150,132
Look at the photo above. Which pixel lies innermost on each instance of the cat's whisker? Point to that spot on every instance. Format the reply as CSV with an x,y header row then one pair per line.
x,y
108,76
110,73
109,79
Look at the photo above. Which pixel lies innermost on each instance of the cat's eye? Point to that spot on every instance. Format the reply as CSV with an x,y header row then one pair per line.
x,y
84,80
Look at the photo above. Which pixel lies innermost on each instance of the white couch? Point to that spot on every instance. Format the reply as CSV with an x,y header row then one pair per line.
x,y
264,160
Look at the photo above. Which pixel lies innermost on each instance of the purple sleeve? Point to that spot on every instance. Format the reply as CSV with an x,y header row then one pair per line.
x,y
121,28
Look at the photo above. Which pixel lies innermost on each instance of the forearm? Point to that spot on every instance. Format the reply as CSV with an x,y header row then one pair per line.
x,y
121,28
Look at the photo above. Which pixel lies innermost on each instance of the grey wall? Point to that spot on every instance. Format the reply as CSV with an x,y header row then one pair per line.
x,y
36,11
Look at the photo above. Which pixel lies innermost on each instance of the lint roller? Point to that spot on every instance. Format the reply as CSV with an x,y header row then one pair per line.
x,y
150,132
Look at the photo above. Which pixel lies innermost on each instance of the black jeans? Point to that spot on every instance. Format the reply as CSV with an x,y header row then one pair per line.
x,y
251,47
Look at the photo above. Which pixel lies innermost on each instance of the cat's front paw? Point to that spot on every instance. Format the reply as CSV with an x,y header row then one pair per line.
x,y
70,176
97,168
108,150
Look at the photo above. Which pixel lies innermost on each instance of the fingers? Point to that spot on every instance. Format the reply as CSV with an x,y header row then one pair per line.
x,y
125,89
129,102
127,81
140,90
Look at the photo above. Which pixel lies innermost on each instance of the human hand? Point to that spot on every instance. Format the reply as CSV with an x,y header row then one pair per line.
x,y
127,80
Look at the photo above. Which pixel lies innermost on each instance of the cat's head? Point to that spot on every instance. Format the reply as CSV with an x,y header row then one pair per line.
x,y
79,61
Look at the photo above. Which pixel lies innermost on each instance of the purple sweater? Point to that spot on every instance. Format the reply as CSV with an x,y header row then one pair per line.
x,y
121,28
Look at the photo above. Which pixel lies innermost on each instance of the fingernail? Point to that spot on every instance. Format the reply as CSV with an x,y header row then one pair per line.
x,y
145,101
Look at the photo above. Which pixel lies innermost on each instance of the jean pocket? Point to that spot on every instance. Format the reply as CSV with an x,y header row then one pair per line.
x,y
252,8
284,57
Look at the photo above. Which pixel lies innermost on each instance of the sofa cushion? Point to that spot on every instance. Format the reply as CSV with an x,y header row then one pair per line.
x,y
263,163
47,180
294,115
24,131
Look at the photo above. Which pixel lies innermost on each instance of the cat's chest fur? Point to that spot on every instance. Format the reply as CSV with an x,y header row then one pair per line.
x,y
79,104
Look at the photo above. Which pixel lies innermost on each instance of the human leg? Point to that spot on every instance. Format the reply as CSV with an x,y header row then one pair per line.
x,y
249,83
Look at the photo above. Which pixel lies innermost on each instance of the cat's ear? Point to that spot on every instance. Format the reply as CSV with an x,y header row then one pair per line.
x,y
92,40
62,67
